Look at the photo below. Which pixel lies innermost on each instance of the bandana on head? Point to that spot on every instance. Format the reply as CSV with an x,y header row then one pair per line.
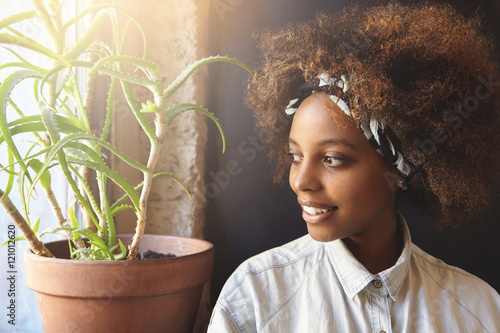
x,y
379,136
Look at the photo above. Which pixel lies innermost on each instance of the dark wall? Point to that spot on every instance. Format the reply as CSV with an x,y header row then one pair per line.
x,y
246,212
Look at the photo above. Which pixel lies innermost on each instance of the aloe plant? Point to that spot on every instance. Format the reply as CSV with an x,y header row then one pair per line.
x,y
63,137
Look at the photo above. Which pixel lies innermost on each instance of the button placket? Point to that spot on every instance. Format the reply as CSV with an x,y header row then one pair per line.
x,y
377,284
380,307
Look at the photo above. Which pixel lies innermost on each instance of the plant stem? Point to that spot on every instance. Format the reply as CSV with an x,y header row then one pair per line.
x,y
89,224
34,243
154,153
51,198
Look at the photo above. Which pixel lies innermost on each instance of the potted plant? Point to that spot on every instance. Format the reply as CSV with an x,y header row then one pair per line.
x,y
104,286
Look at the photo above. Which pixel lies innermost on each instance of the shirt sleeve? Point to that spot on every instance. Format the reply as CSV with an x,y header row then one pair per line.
x,y
221,322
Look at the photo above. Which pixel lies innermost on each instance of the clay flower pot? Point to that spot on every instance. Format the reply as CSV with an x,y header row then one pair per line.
x,y
158,295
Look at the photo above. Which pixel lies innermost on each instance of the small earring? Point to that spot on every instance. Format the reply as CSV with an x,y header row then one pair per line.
x,y
401,183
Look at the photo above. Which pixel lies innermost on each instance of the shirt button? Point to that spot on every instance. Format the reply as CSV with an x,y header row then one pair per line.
x,y
378,284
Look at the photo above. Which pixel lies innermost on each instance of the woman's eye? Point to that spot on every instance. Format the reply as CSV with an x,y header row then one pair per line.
x,y
333,161
294,157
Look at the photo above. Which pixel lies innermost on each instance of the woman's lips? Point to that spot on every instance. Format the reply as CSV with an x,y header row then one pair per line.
x,y
317,213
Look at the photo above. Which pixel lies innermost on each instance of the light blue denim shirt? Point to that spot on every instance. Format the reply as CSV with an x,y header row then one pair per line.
x,y
309,286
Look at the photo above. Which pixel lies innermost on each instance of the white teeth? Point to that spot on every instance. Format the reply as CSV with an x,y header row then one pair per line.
x,y
314,211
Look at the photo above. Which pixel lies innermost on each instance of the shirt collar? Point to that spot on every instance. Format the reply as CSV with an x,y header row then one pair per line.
x,y
354,277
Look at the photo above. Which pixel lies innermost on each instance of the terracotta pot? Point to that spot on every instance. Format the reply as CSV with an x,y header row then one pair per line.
x,y
158,295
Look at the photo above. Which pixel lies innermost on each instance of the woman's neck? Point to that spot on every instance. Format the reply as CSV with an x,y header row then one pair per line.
x,y
377,254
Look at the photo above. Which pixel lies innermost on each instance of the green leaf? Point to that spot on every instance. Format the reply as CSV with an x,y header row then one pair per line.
x,y
18,238
174,111
72,218
49,25
103,254
109,109
56,230
41,152
26,64
97,7
123,249
91,34
36,226
36,165
5,90
151,69
120,201
8,21
136,109
188,71
32,45
149,107
92,237
118,209
35,124
10,179
82,250
93,203
112,175
141,81
125,158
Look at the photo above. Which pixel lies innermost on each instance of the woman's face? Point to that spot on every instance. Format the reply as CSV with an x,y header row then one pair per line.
x,y
340,180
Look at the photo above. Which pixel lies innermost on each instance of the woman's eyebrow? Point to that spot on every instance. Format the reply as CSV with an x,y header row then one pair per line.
x,y
329,142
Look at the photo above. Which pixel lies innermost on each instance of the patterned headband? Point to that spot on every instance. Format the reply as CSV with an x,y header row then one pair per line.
x,y
379,136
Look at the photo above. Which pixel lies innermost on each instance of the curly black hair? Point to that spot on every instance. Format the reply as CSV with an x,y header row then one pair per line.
x,y
424,70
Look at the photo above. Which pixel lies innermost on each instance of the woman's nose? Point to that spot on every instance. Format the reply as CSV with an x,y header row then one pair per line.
x,y
305,176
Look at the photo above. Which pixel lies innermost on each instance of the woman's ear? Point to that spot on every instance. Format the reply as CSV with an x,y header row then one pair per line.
x,y
394,180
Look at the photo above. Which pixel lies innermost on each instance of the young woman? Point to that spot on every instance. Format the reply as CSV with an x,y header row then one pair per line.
x,y
363,107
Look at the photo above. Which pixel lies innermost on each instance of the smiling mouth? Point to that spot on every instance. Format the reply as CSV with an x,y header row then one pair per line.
x,y
315,211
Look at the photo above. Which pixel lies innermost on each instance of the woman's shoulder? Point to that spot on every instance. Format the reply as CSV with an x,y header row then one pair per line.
x,y
458,290
298,250
438,268
296,257
262,284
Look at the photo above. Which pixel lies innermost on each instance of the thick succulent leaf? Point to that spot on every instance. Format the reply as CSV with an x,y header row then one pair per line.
x,y
115,207
26,64
109,109
45,178
36,225
5,90
93,237
102,254
48,24
92,201
123,253
18,238
82,250
188,71
150,68
62,82
17,18
136,109
113,176
12,174
57,230
26,159
6,38
141,81
34,123
63,163
49,121
125,158
97,8
174,111
95,163
118,209
91,34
